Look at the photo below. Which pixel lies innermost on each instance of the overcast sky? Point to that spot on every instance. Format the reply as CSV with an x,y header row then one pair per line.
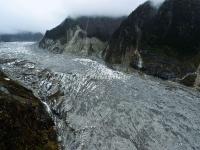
x,y
40,15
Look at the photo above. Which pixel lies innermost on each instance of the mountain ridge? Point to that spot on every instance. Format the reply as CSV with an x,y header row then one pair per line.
x,y
83,34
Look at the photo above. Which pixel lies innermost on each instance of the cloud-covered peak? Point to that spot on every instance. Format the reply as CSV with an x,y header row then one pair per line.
x,y
39,15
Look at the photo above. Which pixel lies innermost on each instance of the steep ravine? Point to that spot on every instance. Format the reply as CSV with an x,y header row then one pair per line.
x,y
94,107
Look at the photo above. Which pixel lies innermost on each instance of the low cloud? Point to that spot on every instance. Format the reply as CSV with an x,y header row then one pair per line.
x,y
40,15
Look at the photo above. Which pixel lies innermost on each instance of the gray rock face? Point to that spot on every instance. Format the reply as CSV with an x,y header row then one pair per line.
x,y
84,35
95,107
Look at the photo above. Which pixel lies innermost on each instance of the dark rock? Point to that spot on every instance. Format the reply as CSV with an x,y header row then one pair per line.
x,y
24,122
167,39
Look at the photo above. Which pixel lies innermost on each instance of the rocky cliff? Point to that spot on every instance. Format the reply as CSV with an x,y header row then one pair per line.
x,y
164,41
85,35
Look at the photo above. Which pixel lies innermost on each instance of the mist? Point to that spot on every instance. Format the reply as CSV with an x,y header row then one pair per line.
x,y
40,15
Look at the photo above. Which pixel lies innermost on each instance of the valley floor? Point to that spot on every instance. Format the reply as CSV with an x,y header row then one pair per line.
x,y
94,107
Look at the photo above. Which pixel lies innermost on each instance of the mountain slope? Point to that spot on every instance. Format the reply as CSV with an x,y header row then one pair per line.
x,y
84,34
25,124
163,42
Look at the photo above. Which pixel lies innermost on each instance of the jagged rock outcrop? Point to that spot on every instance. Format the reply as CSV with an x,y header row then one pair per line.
x,y
26,36
85,35
24,122
164,41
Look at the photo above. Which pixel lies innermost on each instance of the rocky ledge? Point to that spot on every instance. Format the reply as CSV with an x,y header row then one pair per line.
x,y
25,124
